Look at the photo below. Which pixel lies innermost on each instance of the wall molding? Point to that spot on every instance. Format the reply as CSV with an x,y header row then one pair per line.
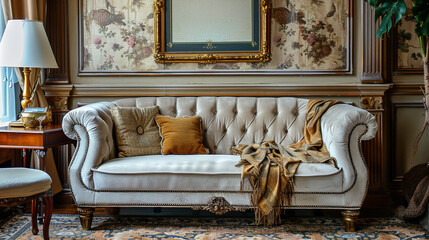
x,y
395,180
58,98
338,90
407,89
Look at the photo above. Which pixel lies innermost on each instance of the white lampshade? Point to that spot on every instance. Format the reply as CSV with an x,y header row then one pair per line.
x,y
25,44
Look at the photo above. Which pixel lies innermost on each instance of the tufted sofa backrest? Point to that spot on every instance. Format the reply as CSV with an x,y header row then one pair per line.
x,y
229,121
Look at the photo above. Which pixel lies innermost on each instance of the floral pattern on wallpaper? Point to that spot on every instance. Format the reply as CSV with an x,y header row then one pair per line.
x,y
408,47
306,35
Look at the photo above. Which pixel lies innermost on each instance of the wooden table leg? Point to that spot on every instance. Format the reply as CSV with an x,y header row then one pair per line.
x,y
25,157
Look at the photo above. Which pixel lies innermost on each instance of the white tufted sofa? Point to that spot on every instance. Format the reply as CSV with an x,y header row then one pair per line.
x,y
211,182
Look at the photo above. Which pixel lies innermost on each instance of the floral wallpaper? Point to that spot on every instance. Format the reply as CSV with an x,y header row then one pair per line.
x,y
306,35
408,47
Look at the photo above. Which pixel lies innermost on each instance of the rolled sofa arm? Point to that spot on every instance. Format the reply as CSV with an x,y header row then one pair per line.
x,y
91,126
343,127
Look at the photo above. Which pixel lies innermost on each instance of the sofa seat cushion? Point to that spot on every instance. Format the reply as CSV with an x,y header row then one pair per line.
x,y
199,173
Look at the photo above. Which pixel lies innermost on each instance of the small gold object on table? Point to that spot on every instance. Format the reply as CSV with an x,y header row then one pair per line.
x,y
36,117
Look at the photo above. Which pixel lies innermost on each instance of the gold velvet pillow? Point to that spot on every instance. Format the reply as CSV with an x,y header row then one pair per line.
x,y
136,130
181,135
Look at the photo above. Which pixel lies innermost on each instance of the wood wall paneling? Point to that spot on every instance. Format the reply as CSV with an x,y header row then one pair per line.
x,y
373,150
404,131
57,88
57,96
373,48
57,31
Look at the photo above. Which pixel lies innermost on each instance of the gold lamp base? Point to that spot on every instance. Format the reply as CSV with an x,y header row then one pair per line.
x,y
31,117
26,101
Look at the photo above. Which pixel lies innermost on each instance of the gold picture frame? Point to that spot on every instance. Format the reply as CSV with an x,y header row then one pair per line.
x,y
254,49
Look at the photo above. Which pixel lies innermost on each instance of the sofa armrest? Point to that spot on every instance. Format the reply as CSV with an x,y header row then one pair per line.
x,y
91,126
343,127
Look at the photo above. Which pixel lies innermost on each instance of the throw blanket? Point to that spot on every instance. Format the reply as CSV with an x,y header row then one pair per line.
x,y
270,167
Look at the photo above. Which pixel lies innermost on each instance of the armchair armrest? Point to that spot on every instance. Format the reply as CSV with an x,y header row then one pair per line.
x,y
343,127
91,126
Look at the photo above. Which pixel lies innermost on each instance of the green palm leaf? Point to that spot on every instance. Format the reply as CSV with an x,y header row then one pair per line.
x,y
421,14
386,11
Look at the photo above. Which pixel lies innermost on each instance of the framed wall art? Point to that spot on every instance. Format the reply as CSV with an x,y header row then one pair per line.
x,y
211,31
145,37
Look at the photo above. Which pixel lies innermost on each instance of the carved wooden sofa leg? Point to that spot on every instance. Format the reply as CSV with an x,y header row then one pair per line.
x,y
85,215
349,218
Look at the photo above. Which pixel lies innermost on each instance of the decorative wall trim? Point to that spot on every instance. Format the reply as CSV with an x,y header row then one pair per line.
x,y
57,96
98,90
407,89
371,103
372,47
58,103
62,90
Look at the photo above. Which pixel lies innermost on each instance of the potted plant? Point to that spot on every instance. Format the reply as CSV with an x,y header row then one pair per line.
x,y
417,179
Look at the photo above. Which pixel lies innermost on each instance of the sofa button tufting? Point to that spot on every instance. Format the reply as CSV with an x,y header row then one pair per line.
x,y
140,130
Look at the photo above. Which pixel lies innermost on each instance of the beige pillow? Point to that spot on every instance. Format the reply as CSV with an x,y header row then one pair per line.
x,y
136,130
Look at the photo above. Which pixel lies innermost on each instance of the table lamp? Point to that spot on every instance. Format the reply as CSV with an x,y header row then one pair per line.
x,y
25,44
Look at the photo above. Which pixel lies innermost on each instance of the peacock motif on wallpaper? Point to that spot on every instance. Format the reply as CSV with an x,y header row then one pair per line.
x,y
103,18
